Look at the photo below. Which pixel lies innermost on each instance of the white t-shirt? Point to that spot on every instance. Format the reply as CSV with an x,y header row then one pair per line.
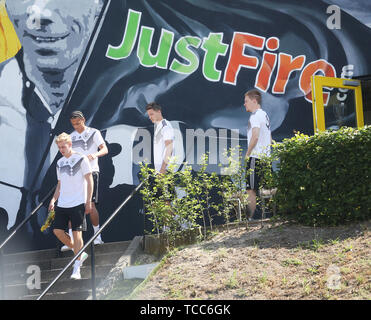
x,y
71,174
87,143
260,119
163,131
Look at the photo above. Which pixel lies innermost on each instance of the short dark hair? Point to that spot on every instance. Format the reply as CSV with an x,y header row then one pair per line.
x,y
154,106
77,114
254,94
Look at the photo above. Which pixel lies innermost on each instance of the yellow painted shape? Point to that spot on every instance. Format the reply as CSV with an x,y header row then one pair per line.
x,y
9,42
318,82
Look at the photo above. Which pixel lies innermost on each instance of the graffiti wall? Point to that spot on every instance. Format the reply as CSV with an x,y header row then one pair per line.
x,y
196,58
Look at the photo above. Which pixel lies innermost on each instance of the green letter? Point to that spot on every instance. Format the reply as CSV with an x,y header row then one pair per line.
x,y
213,47
161,58
131,31
182,49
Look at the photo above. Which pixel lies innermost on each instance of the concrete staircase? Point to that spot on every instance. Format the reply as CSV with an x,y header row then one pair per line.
x,y
21,285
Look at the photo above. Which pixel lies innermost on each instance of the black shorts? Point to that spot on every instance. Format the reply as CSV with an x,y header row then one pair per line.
x,y
75,214
94,198
253,176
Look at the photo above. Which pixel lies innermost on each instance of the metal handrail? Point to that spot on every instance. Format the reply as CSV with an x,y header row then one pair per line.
x,y
2,245
28,218
108,221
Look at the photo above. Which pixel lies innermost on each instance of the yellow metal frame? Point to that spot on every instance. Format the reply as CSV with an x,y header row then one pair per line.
x,y
318,82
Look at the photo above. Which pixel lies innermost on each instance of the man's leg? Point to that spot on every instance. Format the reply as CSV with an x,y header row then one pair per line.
x,y
252,186
65,247
251,202
94,214
77,219
78,243
94,218
64,237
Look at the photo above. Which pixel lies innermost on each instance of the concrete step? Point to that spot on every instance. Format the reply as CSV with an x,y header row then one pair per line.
x,y
40,255
23,266
100,259
49,275
75,295
56,260
19,291
51,262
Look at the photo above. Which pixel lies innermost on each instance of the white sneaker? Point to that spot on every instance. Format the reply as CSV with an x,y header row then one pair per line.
x,y
83,256
76,275
66,248
98,240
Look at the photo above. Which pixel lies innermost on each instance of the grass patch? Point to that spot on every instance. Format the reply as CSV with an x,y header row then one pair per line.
x,y
292,262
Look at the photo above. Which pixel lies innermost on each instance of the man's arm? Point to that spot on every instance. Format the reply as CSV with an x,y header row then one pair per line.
x,y
103,150
253,141
55,196
90,184
168,153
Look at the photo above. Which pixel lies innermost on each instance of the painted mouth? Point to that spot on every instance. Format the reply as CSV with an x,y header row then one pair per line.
x,y
41,39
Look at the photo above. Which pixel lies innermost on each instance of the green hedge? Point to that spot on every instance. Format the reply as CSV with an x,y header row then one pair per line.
x,y
325,179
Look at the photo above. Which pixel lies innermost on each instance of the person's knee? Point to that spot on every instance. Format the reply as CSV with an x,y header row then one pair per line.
x,y
58,233
77,235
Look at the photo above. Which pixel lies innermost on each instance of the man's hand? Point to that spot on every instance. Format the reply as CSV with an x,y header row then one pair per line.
x,y
92,156
51,205
88,207
162,171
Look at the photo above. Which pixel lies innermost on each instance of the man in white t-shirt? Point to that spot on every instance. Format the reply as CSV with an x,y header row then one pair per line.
x,y
89,141
73,193
163,140
259,141
163,146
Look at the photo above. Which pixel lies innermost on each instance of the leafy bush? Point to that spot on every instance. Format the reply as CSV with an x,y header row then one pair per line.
x,y
324,179
232,185
172,214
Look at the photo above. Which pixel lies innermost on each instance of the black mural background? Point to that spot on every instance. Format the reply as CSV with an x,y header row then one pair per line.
x,y
115,92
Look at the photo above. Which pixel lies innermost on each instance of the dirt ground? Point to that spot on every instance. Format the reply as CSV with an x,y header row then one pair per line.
x,y
278,261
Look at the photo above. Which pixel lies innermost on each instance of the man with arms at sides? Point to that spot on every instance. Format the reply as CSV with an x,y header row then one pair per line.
x,y
163,137
163,142
259,141
74,193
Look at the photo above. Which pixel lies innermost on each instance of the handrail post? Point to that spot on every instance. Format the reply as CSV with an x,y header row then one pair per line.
x,y
2,277
93,283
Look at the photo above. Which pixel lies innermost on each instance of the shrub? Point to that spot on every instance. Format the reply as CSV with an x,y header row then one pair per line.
x,y
324,179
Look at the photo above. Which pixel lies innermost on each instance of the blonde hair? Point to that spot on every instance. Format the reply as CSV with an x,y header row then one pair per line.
x,y
63,137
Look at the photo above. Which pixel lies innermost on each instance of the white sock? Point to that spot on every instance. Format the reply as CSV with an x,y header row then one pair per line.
x,y
96,228
77,264
70,233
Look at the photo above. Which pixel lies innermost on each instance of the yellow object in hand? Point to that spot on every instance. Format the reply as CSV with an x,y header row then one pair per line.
x,y
48,220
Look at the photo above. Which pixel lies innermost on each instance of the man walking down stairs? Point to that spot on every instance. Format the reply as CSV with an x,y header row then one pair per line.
x,y
27,274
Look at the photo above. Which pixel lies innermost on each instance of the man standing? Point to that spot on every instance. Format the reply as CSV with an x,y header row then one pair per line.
x,y
259,140
89,141
163,141
74,191
163,146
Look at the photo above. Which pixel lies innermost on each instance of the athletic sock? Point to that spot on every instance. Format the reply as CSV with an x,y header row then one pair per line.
x,y
77,264
96,228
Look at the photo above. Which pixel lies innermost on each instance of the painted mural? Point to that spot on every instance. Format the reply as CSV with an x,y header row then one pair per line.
x,y
196,58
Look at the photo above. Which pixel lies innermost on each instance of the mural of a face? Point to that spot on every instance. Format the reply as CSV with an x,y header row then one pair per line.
x,y
53,35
